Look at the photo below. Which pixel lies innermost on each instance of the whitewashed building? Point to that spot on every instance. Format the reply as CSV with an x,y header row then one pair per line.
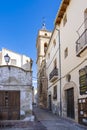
x,y
67,52
71,20
15,86
52,70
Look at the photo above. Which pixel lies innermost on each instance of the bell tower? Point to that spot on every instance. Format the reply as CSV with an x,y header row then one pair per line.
x,y
42,44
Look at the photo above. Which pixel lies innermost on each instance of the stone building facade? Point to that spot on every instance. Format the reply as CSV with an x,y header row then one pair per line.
x,y
15,89
42,83
41,45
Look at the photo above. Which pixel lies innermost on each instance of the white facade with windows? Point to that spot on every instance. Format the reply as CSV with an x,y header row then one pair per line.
x,y
71,23
66,62
73,39
52,70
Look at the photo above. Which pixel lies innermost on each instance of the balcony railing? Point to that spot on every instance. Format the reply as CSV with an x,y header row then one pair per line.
x,y
53,75
81,43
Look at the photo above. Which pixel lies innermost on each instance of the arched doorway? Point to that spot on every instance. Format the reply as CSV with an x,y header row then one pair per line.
x,y
70,100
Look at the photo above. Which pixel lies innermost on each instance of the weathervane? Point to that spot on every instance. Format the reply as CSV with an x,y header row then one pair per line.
x,y
43,24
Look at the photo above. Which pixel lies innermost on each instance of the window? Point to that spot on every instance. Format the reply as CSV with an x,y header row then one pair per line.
x,y
27,61
6,99
64,20
38,51
13,61
55,63
54,42
45,47
68,77
55,92
45,34
66,52
48,55
41,88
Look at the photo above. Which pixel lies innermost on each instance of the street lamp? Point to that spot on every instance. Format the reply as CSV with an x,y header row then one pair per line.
x,y
7,58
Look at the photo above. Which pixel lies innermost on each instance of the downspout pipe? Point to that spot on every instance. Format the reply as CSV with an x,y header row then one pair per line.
x,y
60,71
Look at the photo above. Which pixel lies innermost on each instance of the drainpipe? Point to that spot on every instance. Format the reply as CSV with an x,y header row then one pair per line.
x,y
60,71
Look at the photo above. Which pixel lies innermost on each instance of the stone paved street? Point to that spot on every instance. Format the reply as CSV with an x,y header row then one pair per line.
x,y
45,120
53,122
22,125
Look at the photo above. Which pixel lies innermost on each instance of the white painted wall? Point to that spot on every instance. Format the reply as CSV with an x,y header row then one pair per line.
x,y
54,54
21,60
69,36
71,64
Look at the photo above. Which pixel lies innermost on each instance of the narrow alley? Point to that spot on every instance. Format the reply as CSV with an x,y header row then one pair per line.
x,y
44,120
53,122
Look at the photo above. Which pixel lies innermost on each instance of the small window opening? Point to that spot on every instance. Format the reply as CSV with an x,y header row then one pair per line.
x,y
45,47
65,20
66,52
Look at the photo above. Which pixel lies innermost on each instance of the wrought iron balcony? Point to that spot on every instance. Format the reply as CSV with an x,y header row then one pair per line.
x,y
53,75
81,43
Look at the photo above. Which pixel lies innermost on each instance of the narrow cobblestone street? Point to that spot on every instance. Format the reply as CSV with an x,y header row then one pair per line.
x,y
44,120
53,122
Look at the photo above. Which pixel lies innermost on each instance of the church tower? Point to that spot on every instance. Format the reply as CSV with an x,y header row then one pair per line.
x,y
42,44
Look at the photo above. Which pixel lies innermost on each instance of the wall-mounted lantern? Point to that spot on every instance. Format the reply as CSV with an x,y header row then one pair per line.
x,y
7,58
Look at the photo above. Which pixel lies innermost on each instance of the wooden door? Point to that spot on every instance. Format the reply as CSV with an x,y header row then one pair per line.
x,y
70,103
9,105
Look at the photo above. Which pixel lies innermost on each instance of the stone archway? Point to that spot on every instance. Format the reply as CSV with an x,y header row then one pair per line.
x,y
67,86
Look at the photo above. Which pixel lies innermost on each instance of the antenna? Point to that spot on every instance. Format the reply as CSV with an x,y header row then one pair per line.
x,y
43,24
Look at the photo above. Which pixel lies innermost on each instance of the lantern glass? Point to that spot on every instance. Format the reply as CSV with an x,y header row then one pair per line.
x,y
7,58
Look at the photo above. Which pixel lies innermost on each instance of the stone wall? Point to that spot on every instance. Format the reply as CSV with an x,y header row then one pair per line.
x,y
15,78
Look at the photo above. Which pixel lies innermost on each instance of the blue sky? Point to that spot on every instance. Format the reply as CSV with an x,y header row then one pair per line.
x,y
20,21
